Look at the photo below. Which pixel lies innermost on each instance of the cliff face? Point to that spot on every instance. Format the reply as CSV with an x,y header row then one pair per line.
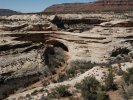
x,y
34,56
100,5
7,12
115,2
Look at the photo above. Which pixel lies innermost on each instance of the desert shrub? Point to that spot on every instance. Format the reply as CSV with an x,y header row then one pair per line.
x,y
124,95
74,98
82,64
119,71
78,66
75,67
34,92
44,83
89,84
62,77
89,96
54,57
72,71
61,91
130,90
102,96
88,88
128,76
126,91
131,79
130,70
109,81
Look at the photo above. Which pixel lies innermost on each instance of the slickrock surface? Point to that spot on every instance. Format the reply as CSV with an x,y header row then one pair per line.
x,y
44,47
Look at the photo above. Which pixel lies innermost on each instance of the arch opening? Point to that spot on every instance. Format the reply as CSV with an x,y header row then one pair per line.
x,y
57,43
55,54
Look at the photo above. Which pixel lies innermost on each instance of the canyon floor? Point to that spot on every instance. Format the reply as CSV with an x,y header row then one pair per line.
x,y
38,53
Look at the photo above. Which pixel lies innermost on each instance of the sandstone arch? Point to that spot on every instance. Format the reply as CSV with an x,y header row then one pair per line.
x,y
55,54
57,43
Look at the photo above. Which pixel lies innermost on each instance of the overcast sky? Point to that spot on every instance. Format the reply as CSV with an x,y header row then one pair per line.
x,y
33,5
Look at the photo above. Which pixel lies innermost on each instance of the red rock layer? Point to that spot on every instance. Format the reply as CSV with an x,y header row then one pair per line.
x,y
100,5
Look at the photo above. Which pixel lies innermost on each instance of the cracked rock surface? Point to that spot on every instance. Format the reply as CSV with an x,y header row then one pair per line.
x,y
44,47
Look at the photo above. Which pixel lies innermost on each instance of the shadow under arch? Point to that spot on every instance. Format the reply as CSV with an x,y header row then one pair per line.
x,y
57,43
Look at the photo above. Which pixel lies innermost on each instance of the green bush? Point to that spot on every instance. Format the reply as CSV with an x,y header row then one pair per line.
x,y
71,72
62,77
54,57
91,89
124,94
82,64
119,71
128,76
130,90
88,88
78,66
74,98
126,91
102,96
109,81
75,67
89,83
61,91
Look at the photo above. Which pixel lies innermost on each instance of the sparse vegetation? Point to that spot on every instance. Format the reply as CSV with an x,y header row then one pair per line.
x,y
90,89
34,92
71,72
102,96
130,90
74,98
62,77
61,91
44,83
128,76
119,71
74,46
54,57
126,91
109,81
127,85
79,66
75,67
123,93
82,64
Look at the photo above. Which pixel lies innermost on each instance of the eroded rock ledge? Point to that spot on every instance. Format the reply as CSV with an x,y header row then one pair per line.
x,y
36,55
